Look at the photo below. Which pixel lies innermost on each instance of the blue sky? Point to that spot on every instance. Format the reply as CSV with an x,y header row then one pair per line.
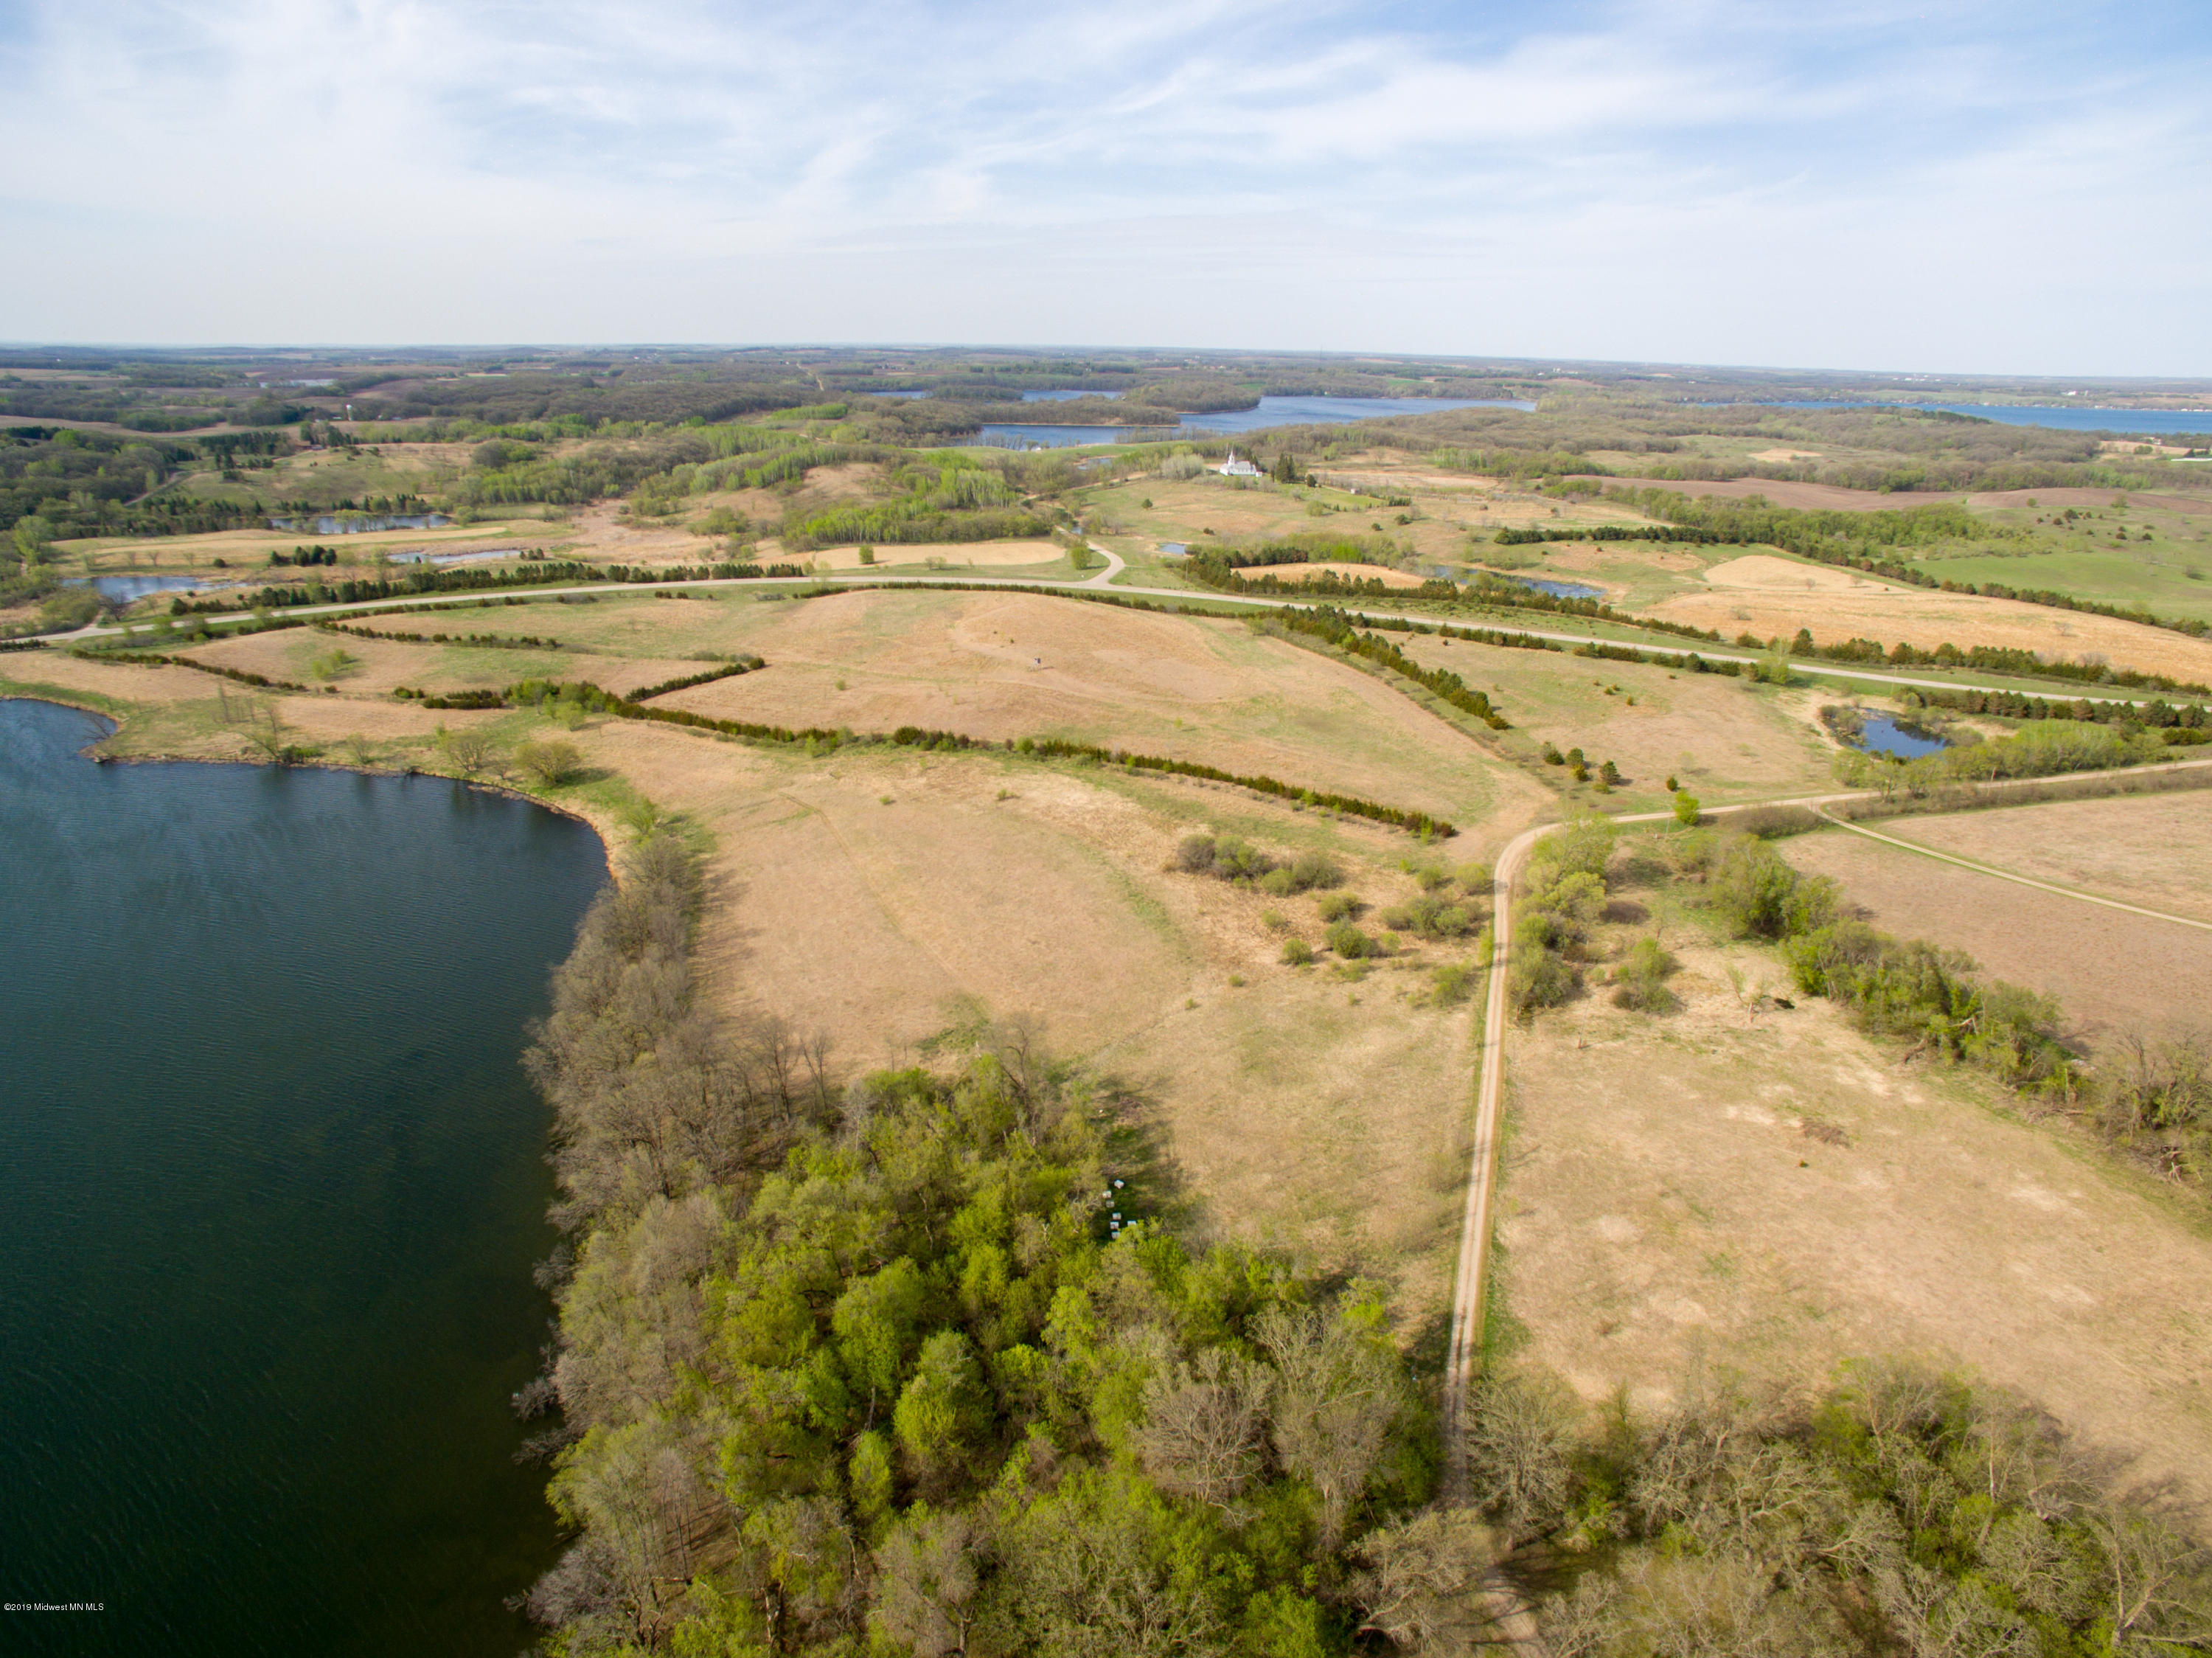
x,y
1967,187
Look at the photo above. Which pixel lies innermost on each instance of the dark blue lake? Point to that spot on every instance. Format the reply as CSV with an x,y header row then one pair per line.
x,y
270,1186
1271,412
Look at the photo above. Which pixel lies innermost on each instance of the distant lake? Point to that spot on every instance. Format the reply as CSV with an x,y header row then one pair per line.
x,y
271,1182
1556,589
357,523
127,589
2063,417
419,556
1271,412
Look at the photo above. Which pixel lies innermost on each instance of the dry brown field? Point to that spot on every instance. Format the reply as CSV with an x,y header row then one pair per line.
x,y
384,666
248,550
1783,493
1666,1209
2151,849
1926,618
1721,739
2100,498
2113,972
1015,665
1307,572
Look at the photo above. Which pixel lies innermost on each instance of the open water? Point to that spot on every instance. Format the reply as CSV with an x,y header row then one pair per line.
x,y
1885,734
1271,412
2063,417
270,1186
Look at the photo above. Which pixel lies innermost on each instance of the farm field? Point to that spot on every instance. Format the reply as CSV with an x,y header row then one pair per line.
x,y
247,549
889,895
2114,973
2151,849
1706,1195
1767,602
1021,665
1722,738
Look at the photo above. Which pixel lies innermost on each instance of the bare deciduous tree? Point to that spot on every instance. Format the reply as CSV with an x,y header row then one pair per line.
x,y
1203,1433
1337,1392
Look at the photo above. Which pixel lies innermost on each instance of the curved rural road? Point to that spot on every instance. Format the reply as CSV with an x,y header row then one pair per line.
x,y
1471,1278
1103,580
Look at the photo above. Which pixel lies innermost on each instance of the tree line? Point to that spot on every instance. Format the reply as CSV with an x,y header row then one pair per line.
x,y
924,1361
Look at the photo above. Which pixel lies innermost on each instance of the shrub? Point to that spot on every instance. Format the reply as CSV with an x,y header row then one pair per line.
x,y
1455,983
1239,860
1339,906
1641,981
1195,857
1585,845
1311,869
1760,896
1773,822
1430,916
1296,952
552,763
1348,942
1686,810
1277,883
1536,978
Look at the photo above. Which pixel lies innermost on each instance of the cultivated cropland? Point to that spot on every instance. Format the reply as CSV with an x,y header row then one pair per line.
x,y
1579,1015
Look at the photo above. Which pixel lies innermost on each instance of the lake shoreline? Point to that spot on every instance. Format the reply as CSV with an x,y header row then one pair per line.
x,y
60,697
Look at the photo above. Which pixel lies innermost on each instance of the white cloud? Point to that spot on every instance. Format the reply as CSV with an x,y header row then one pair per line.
x,y
1864,185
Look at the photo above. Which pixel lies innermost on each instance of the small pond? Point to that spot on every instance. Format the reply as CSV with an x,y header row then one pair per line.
x,y
1556,589
1885,734
419,556
355,523
124,589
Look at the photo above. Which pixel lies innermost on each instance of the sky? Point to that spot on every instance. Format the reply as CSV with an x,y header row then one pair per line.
x,y
2012,187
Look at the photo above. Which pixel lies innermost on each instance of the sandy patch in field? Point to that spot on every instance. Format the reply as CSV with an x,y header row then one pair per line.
x,y
1663,1209
1015,665
2111,971
2151,849
1783,457
1927,618
1763,571
957,555
1307,572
